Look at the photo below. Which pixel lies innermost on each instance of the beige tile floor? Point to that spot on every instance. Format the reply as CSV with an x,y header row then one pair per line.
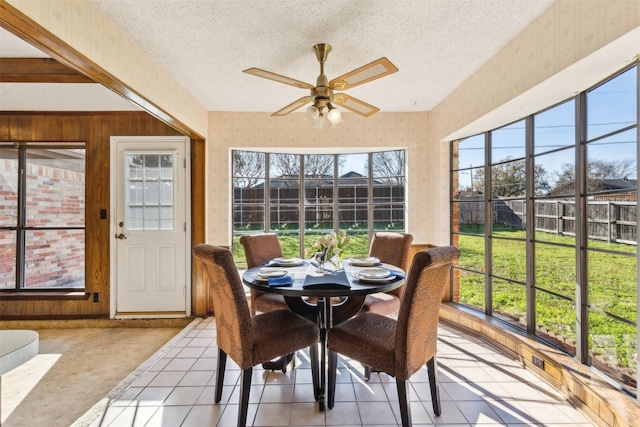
x,y
478,386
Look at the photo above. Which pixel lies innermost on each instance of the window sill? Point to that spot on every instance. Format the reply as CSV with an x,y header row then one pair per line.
x,y
47,295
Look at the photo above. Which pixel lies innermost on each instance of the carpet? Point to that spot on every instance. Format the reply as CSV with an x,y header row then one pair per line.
x,y
78,365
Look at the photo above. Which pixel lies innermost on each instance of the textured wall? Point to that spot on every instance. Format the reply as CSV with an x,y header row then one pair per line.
x,y
562,36
81,25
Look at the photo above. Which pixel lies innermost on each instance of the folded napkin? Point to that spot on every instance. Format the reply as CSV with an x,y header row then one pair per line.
x,y
329,280
326,286
280,281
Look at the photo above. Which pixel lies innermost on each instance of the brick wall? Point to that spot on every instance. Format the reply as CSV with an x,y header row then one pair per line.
x,y
55,198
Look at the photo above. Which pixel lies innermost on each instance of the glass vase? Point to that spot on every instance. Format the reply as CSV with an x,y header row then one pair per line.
x,y
335,263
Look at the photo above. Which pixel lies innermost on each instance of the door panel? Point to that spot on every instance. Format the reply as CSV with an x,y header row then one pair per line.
x,y
150,232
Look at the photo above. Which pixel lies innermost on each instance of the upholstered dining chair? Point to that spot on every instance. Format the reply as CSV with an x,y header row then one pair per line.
x,y
259,249
399,347
390,248
248,340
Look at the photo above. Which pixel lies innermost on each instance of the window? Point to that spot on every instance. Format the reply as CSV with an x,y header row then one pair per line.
x,y
560,258
307,195
42,216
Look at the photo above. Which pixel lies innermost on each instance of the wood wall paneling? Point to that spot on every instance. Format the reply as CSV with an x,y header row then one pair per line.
x,y
95,129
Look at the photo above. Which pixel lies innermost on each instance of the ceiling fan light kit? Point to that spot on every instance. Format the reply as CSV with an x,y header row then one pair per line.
x,y
322,95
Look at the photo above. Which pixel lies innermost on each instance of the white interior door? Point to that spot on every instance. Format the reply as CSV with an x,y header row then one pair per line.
x,y
150,205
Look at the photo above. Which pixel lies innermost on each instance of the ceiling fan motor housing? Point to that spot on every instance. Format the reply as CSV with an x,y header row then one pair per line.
x,y
322,94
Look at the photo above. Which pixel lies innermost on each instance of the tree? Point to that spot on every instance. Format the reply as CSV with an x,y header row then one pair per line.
x,y
315,165
388,166
598,171
508,179
248,168
286,165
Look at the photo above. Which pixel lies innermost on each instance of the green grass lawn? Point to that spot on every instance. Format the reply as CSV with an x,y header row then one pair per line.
x,y
611,280
290,244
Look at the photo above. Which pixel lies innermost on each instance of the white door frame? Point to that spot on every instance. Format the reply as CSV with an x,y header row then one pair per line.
x,y
113,219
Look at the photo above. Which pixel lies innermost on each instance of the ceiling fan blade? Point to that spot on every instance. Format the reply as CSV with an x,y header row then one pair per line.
x,y
380,68
355,105
278,78
293,106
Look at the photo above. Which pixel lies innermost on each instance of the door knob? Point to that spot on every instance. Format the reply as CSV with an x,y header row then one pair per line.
x,y
121,236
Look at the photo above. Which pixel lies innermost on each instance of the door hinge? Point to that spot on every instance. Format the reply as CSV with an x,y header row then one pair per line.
x,y
184,163
185,227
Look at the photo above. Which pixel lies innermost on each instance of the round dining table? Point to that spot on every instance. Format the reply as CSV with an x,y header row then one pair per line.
x,y
326,297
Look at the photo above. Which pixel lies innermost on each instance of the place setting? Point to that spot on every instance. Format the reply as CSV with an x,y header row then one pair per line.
x,y
285,262
368,261
377,275
274,277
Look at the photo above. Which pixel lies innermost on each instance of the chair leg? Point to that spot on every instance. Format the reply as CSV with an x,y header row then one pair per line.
x,y
222,362
333,367
432,369
245,388
315,370
252,300
367,372
405,401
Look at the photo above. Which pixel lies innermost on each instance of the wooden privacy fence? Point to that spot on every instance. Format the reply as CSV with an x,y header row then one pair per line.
x,y
613,221
388,205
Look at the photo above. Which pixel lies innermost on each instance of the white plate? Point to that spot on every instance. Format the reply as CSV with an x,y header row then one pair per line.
x,y
265,273
365,262
375,273
362,278
288,262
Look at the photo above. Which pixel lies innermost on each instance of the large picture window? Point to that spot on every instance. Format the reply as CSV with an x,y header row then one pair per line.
x,y
559,260
302,196
42,216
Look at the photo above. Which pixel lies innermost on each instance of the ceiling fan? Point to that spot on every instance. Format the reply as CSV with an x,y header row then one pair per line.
x,y
322,94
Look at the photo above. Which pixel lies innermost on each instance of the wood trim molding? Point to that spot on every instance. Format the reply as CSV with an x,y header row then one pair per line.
x,y
27,29
60,295
38,70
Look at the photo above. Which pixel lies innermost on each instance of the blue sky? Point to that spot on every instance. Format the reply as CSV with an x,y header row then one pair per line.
x,y
611,106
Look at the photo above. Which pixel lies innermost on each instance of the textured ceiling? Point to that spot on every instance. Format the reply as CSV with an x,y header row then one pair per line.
x,y
205,44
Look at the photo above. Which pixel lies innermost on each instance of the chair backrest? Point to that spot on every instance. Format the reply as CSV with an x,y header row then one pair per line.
x,y
392,248
260,248
417,327
233,322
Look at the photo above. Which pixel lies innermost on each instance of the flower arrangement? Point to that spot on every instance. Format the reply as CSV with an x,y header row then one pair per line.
x,y
330,247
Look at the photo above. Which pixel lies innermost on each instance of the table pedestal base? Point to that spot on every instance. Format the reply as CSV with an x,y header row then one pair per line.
x,y
326,314
279,364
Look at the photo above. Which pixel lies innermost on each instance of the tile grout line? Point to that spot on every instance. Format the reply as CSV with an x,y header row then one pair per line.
x,y
100,408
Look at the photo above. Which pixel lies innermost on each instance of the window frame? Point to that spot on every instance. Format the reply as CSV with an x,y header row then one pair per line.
x,y
336,206
581,194
21,228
